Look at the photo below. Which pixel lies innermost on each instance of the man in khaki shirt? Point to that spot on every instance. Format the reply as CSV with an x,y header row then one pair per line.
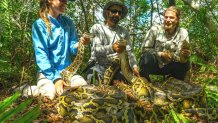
x,y
105,44
166,48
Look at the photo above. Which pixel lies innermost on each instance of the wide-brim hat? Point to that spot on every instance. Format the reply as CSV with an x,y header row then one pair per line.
x,y
112,3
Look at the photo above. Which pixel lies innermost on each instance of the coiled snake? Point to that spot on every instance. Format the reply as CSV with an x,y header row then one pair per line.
x,y
96,104
118,104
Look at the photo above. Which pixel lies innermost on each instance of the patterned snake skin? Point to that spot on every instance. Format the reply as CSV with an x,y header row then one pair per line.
x,y
123,103
71,70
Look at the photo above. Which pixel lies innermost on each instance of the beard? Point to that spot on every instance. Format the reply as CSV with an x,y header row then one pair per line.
x,y
114,19
170,26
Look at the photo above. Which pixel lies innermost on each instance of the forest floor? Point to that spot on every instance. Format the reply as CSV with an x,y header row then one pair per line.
x,y
49,112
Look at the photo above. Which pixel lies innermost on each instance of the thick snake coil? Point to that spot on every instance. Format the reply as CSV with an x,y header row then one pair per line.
x,y
110,71
123,103
206,113
68,72
140,86
128,74
96,104
177,90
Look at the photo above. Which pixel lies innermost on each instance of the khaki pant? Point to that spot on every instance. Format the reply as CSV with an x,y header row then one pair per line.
x,y
46,87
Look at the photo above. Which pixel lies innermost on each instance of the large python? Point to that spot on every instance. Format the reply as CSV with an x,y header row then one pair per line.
x,y
96,104
123,103
172,91
140,86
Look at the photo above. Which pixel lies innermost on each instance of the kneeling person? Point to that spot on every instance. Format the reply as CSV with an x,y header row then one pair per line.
x,y
166,50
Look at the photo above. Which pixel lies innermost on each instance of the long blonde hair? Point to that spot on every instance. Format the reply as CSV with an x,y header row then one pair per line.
x,y
43,13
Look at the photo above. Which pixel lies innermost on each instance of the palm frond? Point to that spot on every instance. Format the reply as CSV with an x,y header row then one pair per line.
x,y
11,112
29,116
8,101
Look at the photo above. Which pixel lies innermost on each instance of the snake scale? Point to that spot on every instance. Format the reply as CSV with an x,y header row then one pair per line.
x,y
96,104
68,72
120,103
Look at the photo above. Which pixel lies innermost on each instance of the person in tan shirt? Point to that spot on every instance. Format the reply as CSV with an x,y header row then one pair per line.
x,y
166,48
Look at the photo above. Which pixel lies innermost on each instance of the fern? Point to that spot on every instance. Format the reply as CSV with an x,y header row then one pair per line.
x,y
5,16
183,119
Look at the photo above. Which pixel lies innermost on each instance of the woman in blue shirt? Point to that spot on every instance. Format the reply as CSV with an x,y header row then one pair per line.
x,y
55,40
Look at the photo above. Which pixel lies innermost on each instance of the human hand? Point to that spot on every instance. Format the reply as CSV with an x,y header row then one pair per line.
x,y
136,71
85,39
167,56
118,47
59,86
185,52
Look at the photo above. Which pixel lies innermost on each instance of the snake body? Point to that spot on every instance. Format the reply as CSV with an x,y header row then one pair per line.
x,y
68,72
96,103
210,113
127,103
110,71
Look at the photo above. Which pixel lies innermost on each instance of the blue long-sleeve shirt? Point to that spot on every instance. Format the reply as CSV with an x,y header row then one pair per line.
x,y
53,51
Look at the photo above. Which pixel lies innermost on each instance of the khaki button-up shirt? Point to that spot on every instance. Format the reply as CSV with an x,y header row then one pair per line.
x,y
156,41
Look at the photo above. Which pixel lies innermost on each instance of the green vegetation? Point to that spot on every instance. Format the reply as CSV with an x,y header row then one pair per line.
x,y
17,62
10,113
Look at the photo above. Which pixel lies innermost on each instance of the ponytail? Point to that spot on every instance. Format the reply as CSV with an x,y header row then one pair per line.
x,y
43,13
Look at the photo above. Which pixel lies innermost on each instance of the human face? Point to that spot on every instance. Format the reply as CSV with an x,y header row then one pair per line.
x,y
170,21
114,14
57,7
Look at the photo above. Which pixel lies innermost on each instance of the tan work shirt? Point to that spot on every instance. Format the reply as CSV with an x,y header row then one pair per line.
x,y
156,41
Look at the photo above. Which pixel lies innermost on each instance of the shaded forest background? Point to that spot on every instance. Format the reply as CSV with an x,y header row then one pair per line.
x,y
200,17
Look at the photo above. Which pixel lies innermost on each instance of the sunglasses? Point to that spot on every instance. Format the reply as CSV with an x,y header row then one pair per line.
x,y
114,11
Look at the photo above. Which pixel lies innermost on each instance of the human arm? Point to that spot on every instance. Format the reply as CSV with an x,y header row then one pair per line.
x,y
73,38
101,43
149,42
40,38
151,45
183,51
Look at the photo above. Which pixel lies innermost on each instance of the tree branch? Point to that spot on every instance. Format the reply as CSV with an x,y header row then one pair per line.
x,y
152,9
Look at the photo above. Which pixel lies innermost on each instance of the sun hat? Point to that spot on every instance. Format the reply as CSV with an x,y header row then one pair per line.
x,y
112,3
